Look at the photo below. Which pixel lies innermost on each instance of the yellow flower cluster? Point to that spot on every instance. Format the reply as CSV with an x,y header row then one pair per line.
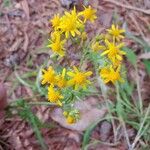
x,y
50,77
110,46
71,116
71,24
62,85
57,82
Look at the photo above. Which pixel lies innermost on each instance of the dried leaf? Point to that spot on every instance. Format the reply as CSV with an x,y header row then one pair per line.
x,y
147,3
145,56
106,18
25,7
3,97
88,115
15,45
26,42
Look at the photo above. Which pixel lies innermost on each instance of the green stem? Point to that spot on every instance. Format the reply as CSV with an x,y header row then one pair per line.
x,y
42,103
104,94
140,131
139,89
120,115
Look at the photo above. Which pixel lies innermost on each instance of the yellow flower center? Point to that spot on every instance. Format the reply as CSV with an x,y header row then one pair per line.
x,y
79,78
54,96
57,47
70,120
71,24
88,13
116,32
113,50
114,76
61,83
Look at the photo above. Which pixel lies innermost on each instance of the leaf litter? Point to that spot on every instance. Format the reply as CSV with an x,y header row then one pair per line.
x,y
23,29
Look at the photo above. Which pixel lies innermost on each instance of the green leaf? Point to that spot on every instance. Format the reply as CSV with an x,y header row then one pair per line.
x,y
38,83
147,65
120,110
6,3
33,122
127,87
87,134
131,56
23,82
86,137
24,111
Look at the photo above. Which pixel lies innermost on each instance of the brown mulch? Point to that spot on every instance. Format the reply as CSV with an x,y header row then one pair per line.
x,y
24,30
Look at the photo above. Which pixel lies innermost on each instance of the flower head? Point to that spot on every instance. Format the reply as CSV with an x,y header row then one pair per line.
x,y
96,46
110,74
113,52
54,96
116,32
57,45
70,120
65,113
55,35
79,79
60,79
71,116
55,21
70,23
88,14
84,36
48,76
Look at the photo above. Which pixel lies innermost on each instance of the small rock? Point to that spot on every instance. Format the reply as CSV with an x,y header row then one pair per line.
x,y
69,3
16,13
12,60
105,130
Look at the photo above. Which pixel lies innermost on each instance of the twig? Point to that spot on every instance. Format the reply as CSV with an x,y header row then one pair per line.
x,y
129,7
139,134
137,26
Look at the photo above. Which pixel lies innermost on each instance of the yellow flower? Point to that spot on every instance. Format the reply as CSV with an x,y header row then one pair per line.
x,y
70,23
57,45
116,32
65,113
96,46
78,79
88,14
60,79
110,74
48,76
54,96
55,21
84,36
113,52
70,120
55,35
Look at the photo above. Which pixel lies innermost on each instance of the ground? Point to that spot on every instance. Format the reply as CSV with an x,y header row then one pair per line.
x,y
24,32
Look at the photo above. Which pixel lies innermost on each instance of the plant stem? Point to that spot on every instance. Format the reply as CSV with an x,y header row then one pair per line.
x,y
42,103
140,132
139,89
104,94
120,116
